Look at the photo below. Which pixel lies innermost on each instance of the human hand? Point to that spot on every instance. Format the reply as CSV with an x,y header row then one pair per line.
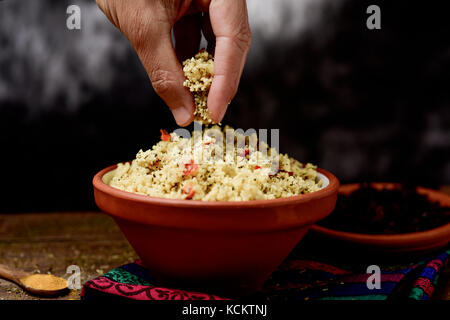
x,y
148,23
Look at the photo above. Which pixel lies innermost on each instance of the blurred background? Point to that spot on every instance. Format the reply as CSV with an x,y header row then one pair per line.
x,y
364,104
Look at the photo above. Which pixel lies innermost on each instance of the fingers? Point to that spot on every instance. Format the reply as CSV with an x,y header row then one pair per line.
x,y
147,25
187,32
152,42
229,21
167,78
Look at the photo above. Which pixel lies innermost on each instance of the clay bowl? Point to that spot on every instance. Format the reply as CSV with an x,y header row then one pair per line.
x,y
219,247
417,242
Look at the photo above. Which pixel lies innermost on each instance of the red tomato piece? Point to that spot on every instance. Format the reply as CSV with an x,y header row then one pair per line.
x,y
189,191
165,136
190,168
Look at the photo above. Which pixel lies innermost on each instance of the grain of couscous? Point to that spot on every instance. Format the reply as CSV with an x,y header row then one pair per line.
x,y
202,167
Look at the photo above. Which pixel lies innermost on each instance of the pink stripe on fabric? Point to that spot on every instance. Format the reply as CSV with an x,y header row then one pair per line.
x,y
140,292
435,264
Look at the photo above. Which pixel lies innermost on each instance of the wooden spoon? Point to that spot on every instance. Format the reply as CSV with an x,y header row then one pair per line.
x,y
23,279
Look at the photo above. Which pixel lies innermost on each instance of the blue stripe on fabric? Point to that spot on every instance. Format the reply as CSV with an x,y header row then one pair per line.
x,y
429,273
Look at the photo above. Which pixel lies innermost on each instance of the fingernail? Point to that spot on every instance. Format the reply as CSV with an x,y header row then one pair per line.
x,y
182,115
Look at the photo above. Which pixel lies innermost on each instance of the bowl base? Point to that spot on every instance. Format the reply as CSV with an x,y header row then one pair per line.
x,y
217,262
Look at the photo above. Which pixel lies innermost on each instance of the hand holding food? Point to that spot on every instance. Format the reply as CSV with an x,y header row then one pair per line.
x,y
148,24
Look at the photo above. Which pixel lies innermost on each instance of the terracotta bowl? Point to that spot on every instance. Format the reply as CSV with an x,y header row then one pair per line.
x,y
223,247
407,242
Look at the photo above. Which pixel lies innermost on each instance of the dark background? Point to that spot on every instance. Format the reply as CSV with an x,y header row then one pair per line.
x,y
366,105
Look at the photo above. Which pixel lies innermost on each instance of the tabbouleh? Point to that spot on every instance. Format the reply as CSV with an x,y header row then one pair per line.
x,y
202,167
199,73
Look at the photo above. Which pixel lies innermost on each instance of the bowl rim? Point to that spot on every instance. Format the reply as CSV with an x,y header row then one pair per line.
x,y
331,188
420,237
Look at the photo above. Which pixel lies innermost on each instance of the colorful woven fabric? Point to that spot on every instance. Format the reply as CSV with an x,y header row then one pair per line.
x,y
296,279
135,282
305,280
424,285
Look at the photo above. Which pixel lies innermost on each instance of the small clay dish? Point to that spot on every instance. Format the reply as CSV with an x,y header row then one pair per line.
x,y
219,247
418,242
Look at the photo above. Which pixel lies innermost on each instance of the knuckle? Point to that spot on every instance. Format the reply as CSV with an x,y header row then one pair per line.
x,y
139,32
162,81
243,39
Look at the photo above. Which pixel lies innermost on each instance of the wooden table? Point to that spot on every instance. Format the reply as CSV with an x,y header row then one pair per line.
x,y
50,242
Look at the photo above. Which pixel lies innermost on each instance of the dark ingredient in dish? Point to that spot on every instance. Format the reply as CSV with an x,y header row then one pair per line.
x,y
400,210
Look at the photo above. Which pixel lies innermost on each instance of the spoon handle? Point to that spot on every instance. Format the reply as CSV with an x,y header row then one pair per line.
x,y
12,274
